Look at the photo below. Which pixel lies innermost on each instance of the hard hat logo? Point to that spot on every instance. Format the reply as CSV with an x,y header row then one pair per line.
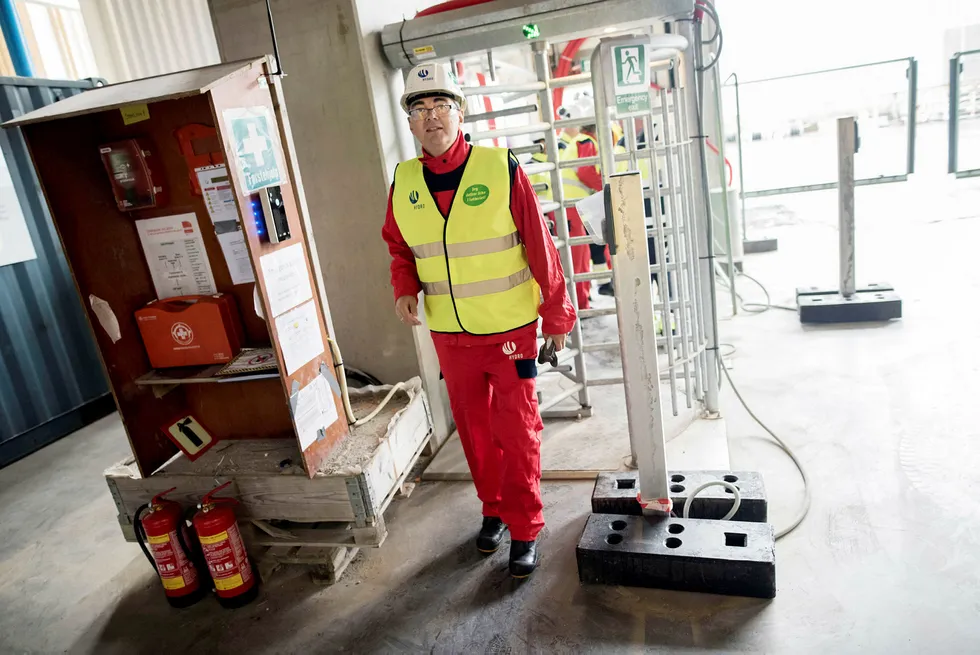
x,y
428,80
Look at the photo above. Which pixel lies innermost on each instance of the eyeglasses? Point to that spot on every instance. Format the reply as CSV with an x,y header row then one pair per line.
x,y
423,112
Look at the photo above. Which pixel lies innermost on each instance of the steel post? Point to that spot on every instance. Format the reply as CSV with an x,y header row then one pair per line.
x,y
13,34
701,195
913,75
954,110
846,147
543,69
638,336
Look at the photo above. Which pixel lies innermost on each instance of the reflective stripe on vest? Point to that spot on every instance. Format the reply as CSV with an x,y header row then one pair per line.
x,y
472,265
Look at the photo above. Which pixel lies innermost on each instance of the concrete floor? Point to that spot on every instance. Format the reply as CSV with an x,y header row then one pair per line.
x,y
887,562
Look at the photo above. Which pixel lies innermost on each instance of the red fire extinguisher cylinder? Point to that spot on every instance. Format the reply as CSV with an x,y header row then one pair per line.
x,y
161,533
224,551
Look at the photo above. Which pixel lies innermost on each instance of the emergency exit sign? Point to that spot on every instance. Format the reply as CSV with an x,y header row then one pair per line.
x,y
630,72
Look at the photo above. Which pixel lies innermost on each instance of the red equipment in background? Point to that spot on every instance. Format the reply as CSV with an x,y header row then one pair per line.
x,y
162,526
224,550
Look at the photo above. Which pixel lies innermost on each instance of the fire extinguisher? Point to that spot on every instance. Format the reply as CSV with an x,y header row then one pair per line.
x,y
160,524
224,550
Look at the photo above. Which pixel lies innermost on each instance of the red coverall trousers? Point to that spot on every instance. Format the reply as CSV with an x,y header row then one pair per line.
x,y
581,256
492,395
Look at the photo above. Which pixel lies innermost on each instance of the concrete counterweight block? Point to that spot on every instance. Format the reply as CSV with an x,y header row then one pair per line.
x,y
719,557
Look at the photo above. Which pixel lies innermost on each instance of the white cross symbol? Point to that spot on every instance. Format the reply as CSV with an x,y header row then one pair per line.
x,y
182,333
255,144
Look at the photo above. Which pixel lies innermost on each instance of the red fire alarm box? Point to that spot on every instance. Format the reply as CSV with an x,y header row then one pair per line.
x,y
134,174
191,330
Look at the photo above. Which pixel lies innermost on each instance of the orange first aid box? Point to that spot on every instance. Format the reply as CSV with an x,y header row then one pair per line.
x,y
191,330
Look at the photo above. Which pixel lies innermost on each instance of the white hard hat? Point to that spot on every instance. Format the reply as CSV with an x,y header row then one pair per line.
x,y
431,80
580,107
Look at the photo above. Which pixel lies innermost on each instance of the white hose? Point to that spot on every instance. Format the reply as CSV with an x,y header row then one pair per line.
x,y
715,483
345,394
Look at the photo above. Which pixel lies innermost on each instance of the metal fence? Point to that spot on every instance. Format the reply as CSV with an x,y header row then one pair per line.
x,y
964,114
787,112
51,379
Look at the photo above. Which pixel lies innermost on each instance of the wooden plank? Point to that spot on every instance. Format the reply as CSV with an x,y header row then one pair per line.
x,y
251,91
146,90
332,537
288,497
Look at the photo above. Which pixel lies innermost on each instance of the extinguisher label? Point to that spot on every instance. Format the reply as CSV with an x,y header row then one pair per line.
x,y
226,584
226,558
173,583
174,568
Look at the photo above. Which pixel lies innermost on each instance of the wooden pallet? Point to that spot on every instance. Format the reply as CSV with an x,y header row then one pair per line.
x,y
341,507
326,564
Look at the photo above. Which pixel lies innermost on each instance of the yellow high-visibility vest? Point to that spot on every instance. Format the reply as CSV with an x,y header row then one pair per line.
x,y
573,187
472,264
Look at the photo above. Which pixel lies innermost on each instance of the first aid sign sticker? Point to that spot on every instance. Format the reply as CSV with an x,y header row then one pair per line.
x,y
255,140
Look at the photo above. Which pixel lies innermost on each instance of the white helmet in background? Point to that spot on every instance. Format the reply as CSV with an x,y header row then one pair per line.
x,y
427,80
581,107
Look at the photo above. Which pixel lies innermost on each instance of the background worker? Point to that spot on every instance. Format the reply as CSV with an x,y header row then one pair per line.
x,y
578,183
464,226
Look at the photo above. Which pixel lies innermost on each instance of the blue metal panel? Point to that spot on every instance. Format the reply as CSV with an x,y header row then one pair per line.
x,y
51,379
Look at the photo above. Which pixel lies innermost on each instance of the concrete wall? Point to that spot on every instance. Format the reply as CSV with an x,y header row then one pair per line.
x,y
346,160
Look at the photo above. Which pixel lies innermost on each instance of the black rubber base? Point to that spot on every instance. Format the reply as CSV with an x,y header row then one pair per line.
x,y
615,493
754,246
188,599
875,302
240,600
718,557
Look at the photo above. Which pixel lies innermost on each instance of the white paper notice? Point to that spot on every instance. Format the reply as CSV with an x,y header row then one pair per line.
x,y
176,256
218,196
315,410
15,239
299,337
287,280
232,241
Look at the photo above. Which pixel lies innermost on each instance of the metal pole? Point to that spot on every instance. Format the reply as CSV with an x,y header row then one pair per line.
x,y
702,211
913,75
690,235
741,160
954,110
637,334
543,69
13,34
846,147
674,221
720,135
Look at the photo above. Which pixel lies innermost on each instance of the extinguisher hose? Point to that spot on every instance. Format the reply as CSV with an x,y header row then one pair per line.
x,y
141,534
196,555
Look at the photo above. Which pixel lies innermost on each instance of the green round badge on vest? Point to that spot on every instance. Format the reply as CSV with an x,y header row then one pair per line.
x,y
476,194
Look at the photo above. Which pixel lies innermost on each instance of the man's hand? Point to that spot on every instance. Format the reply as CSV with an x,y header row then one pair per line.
x,y
557,339
407,309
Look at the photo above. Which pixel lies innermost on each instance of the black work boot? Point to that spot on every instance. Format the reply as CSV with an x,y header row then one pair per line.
x,y
491,534
606,289
523,558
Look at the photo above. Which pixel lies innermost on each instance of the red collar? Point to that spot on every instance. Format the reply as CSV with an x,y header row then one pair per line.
x,y
449,160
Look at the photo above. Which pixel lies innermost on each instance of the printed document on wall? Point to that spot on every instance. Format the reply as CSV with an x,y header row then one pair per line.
x,y
175,253
218,196
314,411
15,239
298,333
287,279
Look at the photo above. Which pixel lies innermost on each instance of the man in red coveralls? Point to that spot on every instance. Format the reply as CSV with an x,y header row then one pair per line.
x,y
464,226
